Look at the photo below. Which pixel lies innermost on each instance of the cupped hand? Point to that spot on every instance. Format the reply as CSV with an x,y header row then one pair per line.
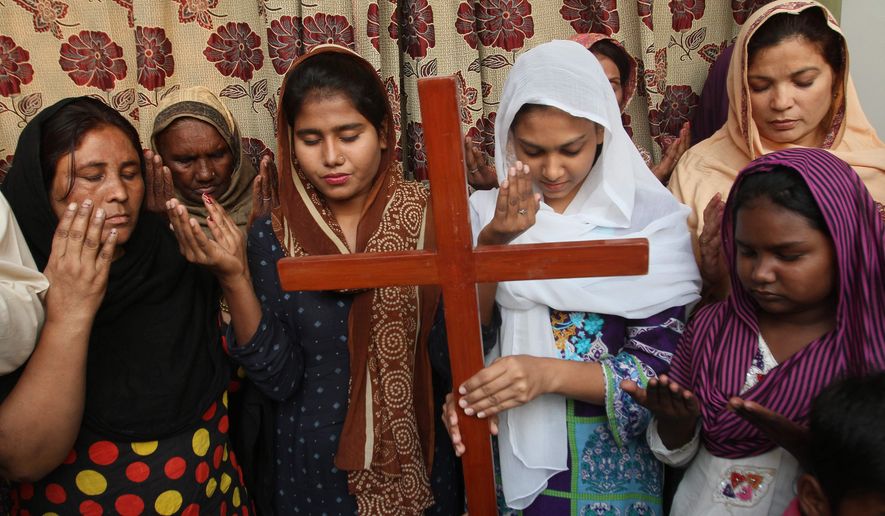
x,y
224,254
79,263
480,175
515,209
158,188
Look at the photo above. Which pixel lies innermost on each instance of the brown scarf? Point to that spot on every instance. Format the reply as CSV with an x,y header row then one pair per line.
x,y
386,443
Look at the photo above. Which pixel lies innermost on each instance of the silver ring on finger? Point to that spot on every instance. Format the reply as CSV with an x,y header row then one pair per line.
x,y
522,211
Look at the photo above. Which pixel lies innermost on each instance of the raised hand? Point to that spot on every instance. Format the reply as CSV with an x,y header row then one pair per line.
x,y
480,175
450,418
713,270
79,263
672,153
224,254
264,189
515,210
675,408
785,433
158,183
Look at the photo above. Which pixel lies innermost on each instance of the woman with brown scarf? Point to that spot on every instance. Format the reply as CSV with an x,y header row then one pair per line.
x,y
349,370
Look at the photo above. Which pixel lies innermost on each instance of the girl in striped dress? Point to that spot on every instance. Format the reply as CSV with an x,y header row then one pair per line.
x,y
804,245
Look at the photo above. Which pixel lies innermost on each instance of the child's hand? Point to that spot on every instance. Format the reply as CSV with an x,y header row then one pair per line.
x,y
158,183
515,210
675,408
480,175
508,382
450,418
785,433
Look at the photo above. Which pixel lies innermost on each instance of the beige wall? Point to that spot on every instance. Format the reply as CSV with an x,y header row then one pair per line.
x,y
863,22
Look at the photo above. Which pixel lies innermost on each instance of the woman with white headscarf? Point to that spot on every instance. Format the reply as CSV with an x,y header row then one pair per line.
x,y
570,440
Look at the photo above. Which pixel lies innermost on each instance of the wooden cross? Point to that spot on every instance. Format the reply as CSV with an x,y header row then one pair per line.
x,y
458,268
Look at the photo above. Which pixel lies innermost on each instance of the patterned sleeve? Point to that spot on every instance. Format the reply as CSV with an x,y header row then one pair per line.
x,y
647,353
273,358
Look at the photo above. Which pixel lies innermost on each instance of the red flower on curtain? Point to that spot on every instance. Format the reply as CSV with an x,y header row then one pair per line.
x,y
676,108
236,50
153,57
741,9
417,155
92,59
591,15
373,25
643,8
685,12
5,165
626,121
466,24
418,34
198,11
255,150
14,68
46,14
284,42
505,24
483,134
327,28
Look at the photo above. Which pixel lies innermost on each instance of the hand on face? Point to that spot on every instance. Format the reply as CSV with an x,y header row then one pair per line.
x,y
106,169
158,187
515,210
224,254
480,175
79,263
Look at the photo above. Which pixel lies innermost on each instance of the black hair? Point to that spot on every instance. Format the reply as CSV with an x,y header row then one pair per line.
x,y
618,56
332,74
847,449
811,25
63,132
528,108
784,187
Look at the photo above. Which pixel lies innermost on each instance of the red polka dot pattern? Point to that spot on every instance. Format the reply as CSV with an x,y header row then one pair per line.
x,y
138,472
103,453
175,468
169,476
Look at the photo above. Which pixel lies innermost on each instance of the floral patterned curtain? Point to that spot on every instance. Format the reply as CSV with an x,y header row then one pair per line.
x,y
131,53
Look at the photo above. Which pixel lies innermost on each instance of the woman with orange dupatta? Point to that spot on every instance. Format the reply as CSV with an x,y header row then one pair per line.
x,y
349,371
788,86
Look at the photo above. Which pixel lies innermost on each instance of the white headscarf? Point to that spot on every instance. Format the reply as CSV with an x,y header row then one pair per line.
x,y
22,288
620,198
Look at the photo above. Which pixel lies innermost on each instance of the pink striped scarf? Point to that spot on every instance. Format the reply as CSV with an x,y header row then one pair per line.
x,y
716,350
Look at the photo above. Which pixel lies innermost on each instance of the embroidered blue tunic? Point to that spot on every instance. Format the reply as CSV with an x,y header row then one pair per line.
x,y
611,468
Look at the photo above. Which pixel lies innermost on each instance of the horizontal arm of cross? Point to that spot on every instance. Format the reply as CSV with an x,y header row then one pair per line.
x,y
492,264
